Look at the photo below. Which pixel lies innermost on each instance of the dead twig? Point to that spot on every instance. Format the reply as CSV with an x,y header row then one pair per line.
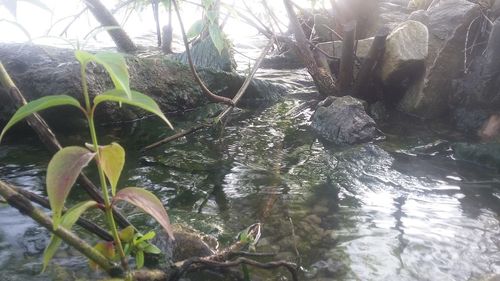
x,y
206,263
84,223
224,113
211,96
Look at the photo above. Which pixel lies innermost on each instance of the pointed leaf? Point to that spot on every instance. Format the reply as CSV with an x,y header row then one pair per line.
x,y
38,105
152,249
216,36
148,202
62,172
115,65
127,234
195,29
137,99
139,259
112,160
148,236
67,221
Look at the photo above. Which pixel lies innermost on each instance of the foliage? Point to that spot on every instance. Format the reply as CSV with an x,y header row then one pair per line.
x,y
66,165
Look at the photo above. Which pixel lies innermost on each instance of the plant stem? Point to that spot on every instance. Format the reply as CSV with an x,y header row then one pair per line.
x,y
105,193
107,203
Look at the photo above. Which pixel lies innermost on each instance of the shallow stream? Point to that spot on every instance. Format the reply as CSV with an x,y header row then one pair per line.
x,y
400,208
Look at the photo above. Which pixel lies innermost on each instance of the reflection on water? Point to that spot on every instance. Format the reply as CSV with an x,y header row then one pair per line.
x,y
386,211
400,209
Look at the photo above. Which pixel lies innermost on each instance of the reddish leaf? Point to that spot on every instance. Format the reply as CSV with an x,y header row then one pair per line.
x,y
107,249
148,202
62,172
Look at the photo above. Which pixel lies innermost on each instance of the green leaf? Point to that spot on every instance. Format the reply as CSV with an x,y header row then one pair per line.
x,y
67,221
139,259
148,236
216,36
148,202
212,16
112,160
115,65
38,105
195,29
62,172
127,234
152,249
136,99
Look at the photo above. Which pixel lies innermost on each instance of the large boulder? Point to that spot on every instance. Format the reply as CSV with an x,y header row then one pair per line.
x,y
479,90
405,52
343,120
39,71
447,23
486,154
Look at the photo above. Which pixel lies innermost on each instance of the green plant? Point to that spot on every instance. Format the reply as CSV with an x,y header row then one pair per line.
x,y
67,164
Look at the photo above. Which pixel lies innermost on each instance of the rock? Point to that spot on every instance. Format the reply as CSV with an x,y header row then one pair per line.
x,y
343,121
419,4
34,240
335,48
405,53
448,23
490,130
469,120
420,16
204,54
480,88
486,154
39,71
188,243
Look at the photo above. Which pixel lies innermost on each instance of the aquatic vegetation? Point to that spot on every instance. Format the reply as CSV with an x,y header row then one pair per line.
x,y
67,164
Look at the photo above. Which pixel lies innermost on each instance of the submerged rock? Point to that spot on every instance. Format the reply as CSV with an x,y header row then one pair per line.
x,y
188,244
486,154
344,121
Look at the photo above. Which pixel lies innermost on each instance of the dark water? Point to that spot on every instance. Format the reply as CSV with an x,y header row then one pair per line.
x,y
396,209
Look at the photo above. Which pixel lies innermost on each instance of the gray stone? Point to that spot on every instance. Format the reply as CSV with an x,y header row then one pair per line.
x,y
420,15
405,51
485,154
334,48
448,23
344,121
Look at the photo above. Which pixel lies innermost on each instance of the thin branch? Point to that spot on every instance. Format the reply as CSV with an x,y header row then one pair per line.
x,y
247,81
75,17
221,116
291,267
83,222
24,206
211,96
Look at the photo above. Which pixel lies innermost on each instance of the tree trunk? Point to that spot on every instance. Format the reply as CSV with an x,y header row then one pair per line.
x,y
105,18
367,68
324,82
347,60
